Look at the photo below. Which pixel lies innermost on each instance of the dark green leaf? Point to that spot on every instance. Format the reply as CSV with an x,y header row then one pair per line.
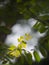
x,y
4,62
29,58
37,25
5,30
46,46
45,17
43,51
18,1
42,28
22,59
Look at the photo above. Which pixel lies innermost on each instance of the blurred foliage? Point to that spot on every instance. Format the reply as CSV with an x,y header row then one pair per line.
x,y
13,10
37,57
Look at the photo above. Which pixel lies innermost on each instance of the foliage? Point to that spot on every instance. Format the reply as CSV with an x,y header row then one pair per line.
x,y
13,10
36,55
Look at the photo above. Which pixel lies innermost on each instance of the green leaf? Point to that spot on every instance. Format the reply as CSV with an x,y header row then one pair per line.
x,y
21,39
29,58
42,28
5,30
18,1
36,56
15,53
43,51
45,17
4,62
12,47
37,25
22,59
9,56
22,45
46,46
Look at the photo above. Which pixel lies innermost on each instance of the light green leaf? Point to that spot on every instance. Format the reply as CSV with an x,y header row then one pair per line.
x,y
22,45
36,56
15,53
12,47
21,39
